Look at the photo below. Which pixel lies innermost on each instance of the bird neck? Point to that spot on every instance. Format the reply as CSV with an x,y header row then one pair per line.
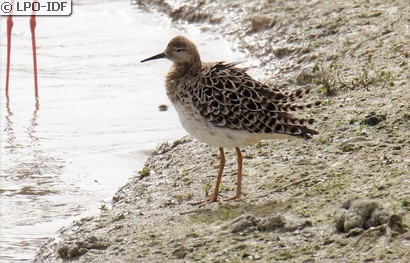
x,y
179,77
192,67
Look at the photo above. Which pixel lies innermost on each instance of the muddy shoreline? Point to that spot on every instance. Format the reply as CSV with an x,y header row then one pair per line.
x,y
355,56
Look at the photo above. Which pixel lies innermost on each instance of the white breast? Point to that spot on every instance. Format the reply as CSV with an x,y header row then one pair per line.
x,y
206,132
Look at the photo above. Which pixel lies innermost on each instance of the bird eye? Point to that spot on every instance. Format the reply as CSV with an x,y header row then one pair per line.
x,y
179,50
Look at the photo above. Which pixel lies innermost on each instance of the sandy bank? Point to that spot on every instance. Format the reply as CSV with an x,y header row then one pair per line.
x,y
355,54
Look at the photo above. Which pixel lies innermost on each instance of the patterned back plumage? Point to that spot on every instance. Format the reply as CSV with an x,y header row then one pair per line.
x,y
227,97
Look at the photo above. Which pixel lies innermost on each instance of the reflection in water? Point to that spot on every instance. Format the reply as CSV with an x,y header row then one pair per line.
x,y
28,176
8,130
30,160
97,121
31,129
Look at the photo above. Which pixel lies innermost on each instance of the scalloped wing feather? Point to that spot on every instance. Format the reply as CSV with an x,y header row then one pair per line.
x,y
228,97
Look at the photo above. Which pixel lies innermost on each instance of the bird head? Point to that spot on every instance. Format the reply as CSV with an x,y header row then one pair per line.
x,y
180,50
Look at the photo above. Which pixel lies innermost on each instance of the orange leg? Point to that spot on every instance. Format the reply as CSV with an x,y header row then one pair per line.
x,y
239,177
219,177
215,195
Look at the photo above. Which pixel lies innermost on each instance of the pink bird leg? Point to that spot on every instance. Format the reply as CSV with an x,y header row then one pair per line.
x,y
33,43
9,29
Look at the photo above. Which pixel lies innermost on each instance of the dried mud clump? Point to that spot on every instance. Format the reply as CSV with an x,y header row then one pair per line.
x,y
373,119
360,214
357,215
79,248
276,222
259,23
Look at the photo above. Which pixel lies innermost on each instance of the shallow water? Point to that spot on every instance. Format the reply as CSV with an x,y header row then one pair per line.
x,y
97,118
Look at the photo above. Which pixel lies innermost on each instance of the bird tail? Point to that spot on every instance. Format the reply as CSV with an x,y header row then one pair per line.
x,y
288,97
287,118
295,107
295,130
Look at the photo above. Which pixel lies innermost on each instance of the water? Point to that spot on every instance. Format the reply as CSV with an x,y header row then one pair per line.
x,y
97,118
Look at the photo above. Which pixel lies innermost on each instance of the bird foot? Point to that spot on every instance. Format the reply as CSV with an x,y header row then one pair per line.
x,y
235,197
211,199
205,202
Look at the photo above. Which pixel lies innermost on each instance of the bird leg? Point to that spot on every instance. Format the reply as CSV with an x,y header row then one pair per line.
x,y
33,43
9,29
219,177
238,178
215,195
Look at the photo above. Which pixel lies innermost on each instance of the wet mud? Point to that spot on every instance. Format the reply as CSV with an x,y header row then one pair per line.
x,y
342,197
